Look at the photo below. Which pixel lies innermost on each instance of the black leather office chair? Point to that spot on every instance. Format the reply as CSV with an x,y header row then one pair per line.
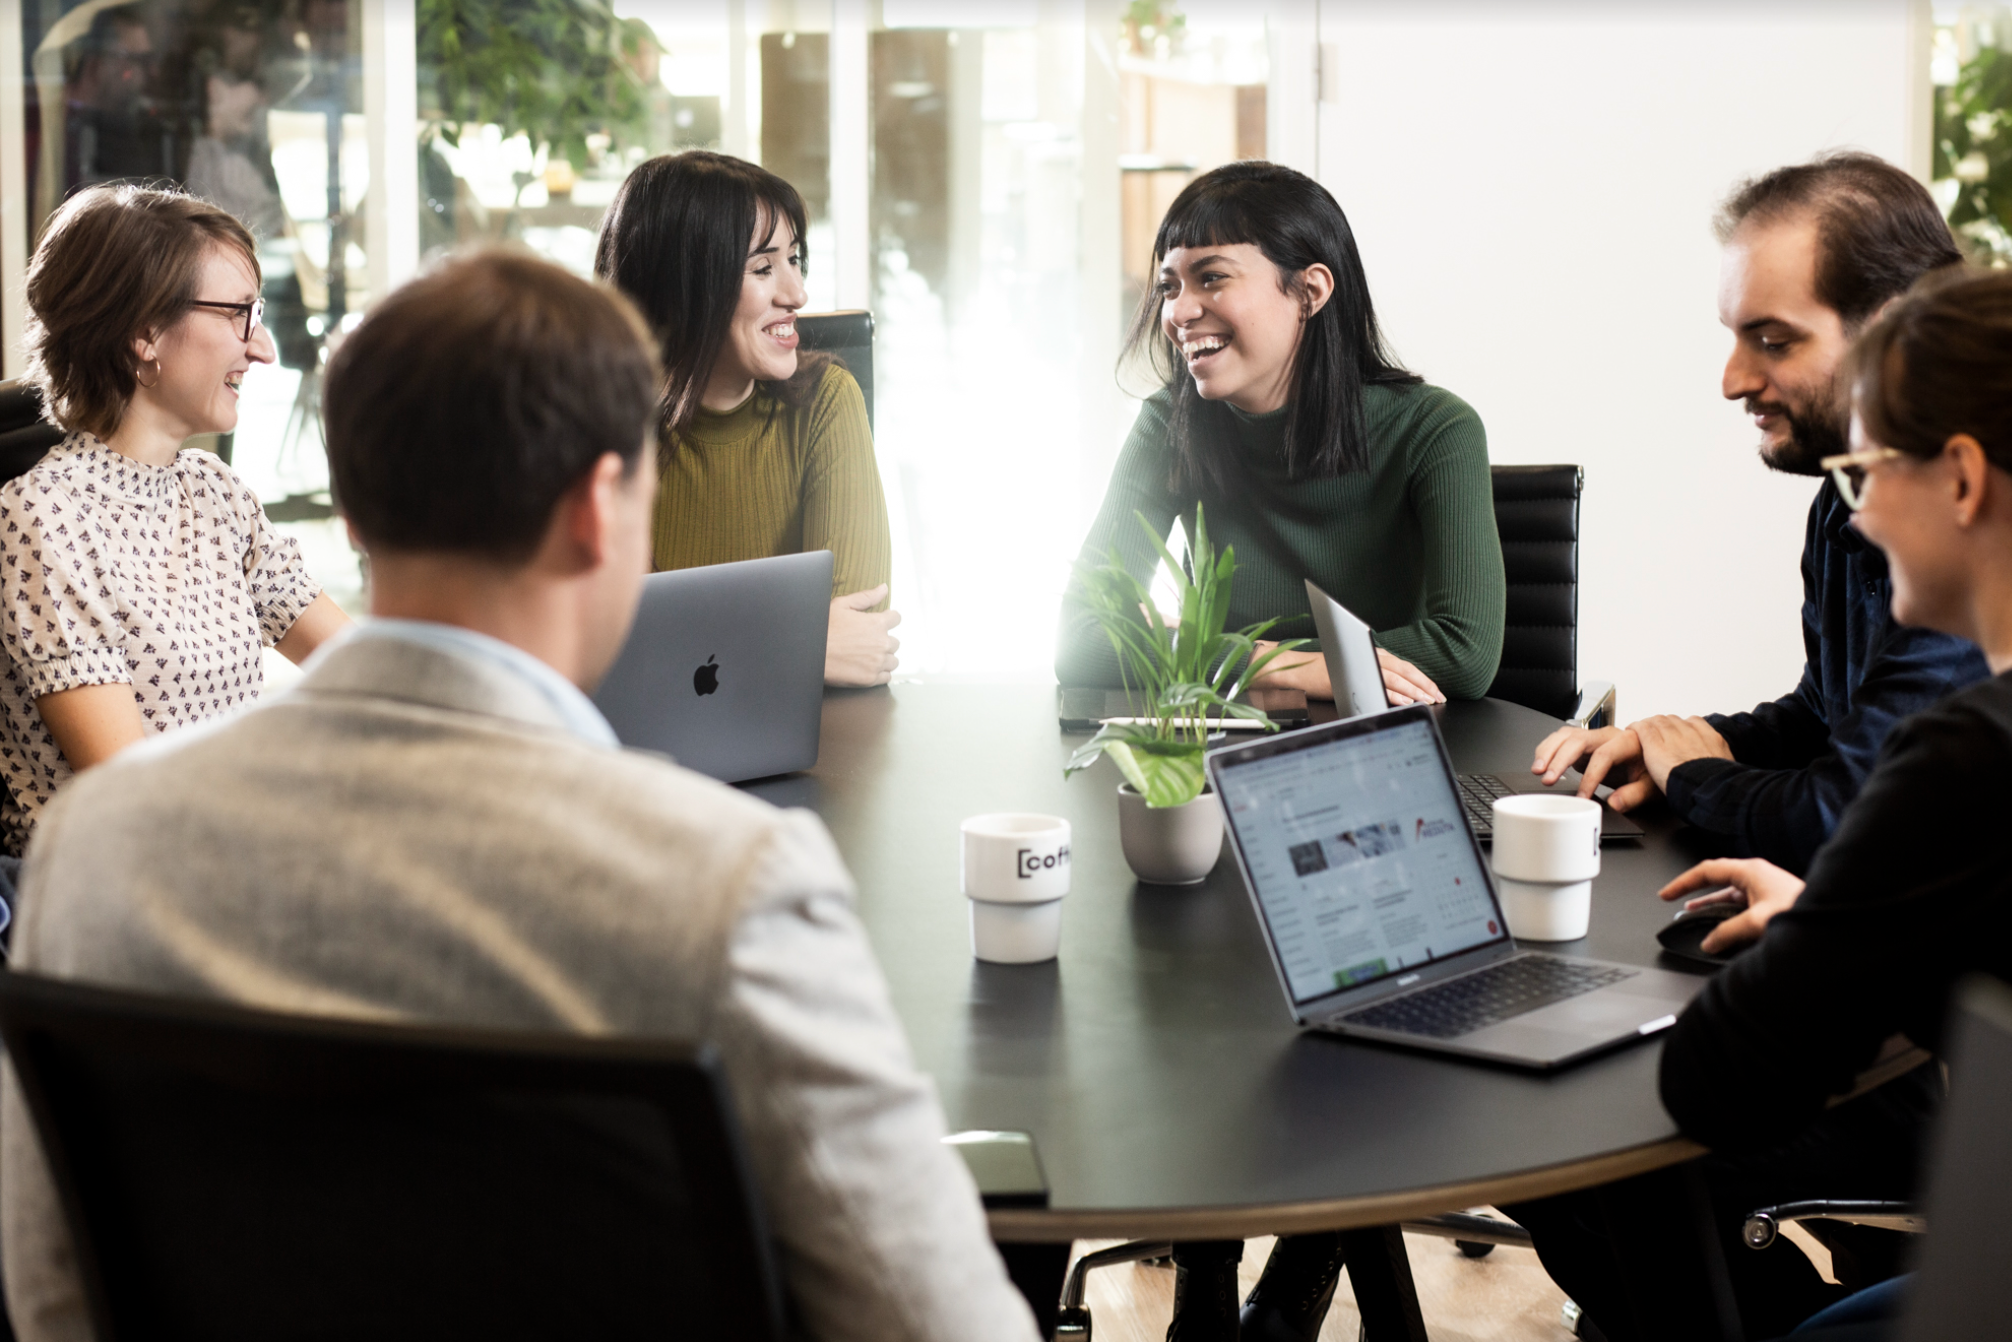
x,y
24,434
232,1174
849,335
1537,515
1961,1292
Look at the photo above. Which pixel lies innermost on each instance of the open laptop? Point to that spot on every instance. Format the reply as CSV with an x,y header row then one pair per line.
x,y
724,668
1381,916
1349,648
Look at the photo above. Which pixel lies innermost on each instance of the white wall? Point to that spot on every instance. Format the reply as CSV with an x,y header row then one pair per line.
x,y
1532,188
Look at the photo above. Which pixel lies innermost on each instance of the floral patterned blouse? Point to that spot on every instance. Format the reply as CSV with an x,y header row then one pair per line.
x,y
166,578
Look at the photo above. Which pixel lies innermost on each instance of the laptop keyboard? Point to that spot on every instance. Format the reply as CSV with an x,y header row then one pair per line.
x,y
1477,796
1487,996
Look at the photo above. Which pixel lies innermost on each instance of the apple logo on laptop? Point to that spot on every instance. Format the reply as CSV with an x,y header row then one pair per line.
x,y
707,678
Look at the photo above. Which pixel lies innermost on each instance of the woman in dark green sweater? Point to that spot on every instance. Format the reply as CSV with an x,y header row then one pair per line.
x,y
1314,454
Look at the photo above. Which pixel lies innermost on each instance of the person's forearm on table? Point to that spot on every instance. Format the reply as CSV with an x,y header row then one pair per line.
x,y
1454,653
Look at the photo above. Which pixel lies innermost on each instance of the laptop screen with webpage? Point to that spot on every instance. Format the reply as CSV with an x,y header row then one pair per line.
x,y
1359,855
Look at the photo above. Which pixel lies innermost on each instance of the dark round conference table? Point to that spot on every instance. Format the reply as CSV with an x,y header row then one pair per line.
x,y
1168,1092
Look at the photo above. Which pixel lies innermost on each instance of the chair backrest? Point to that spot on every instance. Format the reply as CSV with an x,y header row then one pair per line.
x,y
24,434
849,335
1537,514
233,1174
1963,1293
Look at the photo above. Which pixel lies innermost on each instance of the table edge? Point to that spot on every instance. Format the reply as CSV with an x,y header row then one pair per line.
x,y
1024,1225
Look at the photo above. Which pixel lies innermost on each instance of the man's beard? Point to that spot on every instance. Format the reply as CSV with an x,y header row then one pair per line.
x,y
1812,436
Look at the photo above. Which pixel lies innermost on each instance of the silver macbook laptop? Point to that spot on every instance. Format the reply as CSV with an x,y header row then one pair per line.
x,y
1381,916
1349,648
724,669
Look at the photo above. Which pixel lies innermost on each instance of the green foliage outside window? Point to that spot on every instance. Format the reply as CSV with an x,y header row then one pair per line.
x,y
556,71
1154,27
1973,154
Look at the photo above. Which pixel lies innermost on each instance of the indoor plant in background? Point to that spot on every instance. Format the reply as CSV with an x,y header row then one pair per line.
x,y
1180,676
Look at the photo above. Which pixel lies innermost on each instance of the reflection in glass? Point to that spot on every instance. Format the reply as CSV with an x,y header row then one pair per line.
x,y
255,105
982,177
976,179
616,83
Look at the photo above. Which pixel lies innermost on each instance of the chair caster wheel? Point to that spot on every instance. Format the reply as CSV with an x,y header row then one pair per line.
x,y
1469,1249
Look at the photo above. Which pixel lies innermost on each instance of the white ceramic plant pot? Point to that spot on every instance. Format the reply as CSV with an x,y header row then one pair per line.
x,y
1170,845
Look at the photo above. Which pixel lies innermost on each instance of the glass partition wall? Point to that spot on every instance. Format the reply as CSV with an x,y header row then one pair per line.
x,y
984,175
257,105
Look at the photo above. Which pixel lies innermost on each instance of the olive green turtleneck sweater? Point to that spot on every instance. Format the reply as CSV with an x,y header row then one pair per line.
x,y
763,479
1409,545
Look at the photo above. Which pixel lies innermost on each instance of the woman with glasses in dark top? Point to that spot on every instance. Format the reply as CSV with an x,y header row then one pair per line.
x,y
140,581
1912,891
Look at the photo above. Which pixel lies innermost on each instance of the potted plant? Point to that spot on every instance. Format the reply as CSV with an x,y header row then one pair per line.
x,y
1182,676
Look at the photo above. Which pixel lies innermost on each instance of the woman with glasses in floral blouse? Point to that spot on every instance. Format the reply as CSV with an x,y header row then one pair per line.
x,y
139,579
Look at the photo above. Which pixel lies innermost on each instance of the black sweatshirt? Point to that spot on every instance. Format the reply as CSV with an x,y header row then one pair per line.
x,y
1798,761
1913,891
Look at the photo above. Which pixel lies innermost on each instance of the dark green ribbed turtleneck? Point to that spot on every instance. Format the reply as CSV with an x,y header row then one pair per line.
x,y
1409,544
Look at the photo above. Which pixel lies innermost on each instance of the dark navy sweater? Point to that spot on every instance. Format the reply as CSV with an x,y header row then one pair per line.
x,y
1798,762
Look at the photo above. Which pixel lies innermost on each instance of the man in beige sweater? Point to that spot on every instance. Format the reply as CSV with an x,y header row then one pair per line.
x,y
436,825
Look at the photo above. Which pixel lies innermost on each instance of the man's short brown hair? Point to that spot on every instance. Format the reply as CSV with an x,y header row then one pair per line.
x,y
115,263
1877,229
472,398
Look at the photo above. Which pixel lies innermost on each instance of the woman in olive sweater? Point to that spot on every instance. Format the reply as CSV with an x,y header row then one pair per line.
x,y
762,451
1313,453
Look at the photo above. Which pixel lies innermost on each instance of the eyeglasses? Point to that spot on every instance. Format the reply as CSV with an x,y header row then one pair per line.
x,y
1848,469
253,313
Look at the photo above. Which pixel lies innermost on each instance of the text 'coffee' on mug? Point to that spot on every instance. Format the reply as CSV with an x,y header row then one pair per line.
x,y
1014,871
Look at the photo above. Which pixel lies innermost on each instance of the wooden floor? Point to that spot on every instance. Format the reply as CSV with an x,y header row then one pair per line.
x,y
1505,1297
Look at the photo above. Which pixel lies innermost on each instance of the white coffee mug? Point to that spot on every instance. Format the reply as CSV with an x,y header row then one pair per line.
x,y
1546,852
1015,872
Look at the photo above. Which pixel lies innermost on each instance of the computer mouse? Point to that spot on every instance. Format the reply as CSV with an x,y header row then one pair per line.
x,y
1684,935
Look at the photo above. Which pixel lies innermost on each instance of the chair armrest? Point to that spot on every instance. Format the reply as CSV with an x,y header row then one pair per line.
x,y
1471,1229
1074,1322
1596,705
1764,1224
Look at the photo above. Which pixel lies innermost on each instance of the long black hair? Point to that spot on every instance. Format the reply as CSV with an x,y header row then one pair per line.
x,y
1296,224
675,240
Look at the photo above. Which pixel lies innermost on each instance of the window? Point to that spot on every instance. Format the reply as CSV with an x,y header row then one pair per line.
x,y
986,175
257,106
1971,69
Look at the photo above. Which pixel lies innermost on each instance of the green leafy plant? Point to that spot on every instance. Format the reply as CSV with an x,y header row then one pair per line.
x,y
1154,27
1973,153
1184,675
555,70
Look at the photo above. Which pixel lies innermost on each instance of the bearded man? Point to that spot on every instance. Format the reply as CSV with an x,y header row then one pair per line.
x,y
1811,254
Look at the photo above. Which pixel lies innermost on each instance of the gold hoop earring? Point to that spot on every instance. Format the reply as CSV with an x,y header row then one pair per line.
x,y
157,375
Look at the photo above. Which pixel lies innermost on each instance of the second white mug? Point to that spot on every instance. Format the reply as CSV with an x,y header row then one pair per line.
x,y
1546,852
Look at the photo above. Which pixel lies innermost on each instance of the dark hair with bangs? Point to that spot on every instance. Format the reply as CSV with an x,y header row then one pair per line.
x,y
1939,363
1295,223
1878,230
675,240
